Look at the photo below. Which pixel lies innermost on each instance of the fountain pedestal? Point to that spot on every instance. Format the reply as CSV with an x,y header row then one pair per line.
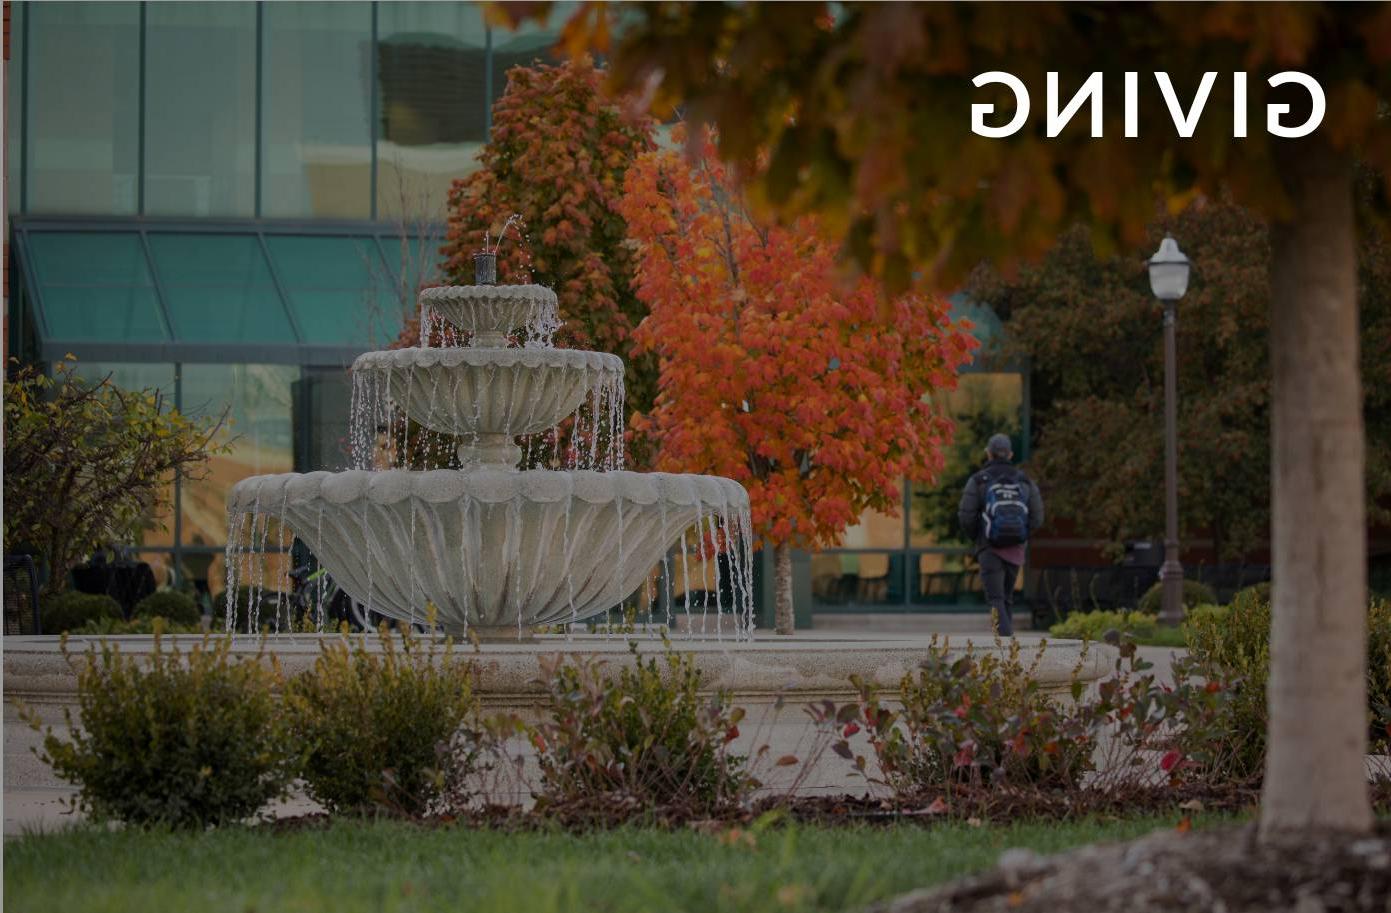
x,y
490,451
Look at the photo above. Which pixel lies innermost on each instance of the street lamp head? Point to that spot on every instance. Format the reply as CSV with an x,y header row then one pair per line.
x,y
1168,271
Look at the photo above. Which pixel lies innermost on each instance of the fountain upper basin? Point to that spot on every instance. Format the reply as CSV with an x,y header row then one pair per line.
x,y
490,548
492,310
467,391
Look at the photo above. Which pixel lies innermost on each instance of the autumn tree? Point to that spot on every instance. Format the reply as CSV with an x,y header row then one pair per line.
x,y
557,155
862,114
1089,328
772,371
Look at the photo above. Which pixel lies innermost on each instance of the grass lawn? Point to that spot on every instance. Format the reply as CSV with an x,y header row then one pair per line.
x,y
388,866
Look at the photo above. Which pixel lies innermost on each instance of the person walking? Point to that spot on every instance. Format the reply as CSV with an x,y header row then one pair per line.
x,y
1000,508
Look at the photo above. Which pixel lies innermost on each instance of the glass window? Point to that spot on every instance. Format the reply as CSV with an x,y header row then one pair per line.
x,y
940,578
95,286
84,102
14,107
875,530
325,396
431,71
317,158
413,263
200,111
219,288
858,578
339,288
982,404
130,376
161,566
257,399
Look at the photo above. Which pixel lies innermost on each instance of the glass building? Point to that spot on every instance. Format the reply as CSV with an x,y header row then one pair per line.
x,y
231,201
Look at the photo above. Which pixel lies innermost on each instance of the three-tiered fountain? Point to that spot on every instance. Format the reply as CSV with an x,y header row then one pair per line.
x,y
533,522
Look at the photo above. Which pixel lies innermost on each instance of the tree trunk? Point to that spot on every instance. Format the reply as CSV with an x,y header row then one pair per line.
x,y
783,617
1315,776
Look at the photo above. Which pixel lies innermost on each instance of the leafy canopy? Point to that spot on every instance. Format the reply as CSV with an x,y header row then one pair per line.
x,y
1091,332
861,112
773,371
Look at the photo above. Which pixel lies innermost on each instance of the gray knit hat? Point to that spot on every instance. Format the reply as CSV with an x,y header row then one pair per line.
x,y
999,447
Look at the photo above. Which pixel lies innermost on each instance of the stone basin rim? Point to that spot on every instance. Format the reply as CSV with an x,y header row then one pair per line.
x,y
484,358
266,493
488,293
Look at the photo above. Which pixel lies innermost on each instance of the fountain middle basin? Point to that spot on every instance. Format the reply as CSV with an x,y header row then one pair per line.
x,y
492,550
465,391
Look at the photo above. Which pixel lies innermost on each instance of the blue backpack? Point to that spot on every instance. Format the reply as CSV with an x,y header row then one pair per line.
x,y
1005,508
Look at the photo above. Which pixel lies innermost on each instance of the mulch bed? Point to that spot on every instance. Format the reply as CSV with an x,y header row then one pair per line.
x,y
1223,869
976,806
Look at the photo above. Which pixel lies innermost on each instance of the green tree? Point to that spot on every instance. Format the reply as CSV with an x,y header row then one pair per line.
x,y
88,464
1090,330
862,113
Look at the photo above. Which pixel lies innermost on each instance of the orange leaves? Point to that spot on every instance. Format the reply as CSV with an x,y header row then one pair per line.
x,y
863,119
773,370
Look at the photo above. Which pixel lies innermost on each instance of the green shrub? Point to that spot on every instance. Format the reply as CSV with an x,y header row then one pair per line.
x,y
375,724
1194,594
1208,614
108,627
645,738
1379,673
1259,591
1094,625
171,605
978,719
71,610
1231,650
181,739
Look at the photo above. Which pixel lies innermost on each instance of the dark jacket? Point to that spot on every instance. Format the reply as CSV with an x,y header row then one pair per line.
x,y
968,514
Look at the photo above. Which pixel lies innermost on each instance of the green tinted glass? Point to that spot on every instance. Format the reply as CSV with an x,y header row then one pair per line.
x,y
83,114
95,287
103,314
88,258
316,135
200,109
339,289
219,289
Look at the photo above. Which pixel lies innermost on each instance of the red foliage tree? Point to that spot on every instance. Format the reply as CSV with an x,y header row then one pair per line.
x,y
772,370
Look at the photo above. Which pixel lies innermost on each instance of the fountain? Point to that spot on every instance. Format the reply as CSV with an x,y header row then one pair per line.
x,y
487,488
503,504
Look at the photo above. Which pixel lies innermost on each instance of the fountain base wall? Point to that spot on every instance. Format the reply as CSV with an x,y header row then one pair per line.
x,y
774,679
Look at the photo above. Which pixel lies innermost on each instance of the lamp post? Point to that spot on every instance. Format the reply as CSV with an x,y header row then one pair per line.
x,y
1169,280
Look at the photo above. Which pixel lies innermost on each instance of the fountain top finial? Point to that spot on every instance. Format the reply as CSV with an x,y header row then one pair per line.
x,y
485,267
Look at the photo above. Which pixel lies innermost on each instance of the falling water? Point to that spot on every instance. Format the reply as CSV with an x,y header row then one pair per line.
x,y
422,413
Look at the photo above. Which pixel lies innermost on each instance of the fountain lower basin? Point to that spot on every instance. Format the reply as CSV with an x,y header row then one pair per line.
x,y
492,550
